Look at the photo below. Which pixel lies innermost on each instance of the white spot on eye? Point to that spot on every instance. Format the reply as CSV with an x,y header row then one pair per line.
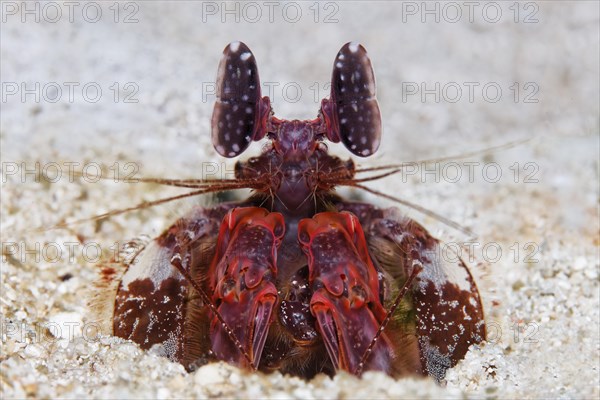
x,y
366,152
248,110
339,64
235,148
235,107
227,137
246,55
248,139
354,107
341,57
232,154
343,120
363,140
220,149
342,77
353,147
245,97
234,46
238,131
353,46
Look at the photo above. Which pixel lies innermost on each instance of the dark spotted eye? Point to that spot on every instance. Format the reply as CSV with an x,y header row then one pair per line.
x,y
240,114
352,113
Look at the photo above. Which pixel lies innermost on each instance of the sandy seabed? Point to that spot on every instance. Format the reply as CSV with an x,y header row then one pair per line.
x,y
536,255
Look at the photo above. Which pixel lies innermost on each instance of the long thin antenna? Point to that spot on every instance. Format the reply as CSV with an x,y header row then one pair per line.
x,y
185,183
447,158
417,207
145,204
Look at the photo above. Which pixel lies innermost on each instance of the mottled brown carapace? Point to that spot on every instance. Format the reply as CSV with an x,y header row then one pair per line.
x,y
295,278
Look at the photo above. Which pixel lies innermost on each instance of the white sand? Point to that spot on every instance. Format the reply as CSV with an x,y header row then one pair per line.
x,y
542,311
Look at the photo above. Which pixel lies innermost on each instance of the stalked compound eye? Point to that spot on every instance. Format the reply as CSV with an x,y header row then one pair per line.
x,y
352,114
240,114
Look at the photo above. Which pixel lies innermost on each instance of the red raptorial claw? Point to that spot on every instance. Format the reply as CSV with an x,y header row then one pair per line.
x,y
244,272
345,285
347,332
